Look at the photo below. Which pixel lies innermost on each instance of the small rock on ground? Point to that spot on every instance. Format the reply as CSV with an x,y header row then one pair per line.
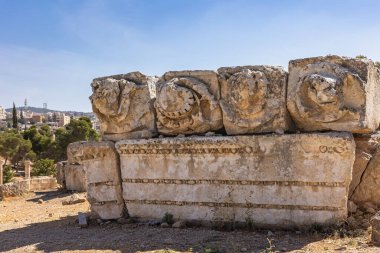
x,y
74,199
82,220
179,224
165,225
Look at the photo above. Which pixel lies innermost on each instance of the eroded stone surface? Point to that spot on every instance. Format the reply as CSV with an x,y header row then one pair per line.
x,y
124,106
334,93
368,189
101,163
366,146
253,99
187,103
375,223
275,180
75,177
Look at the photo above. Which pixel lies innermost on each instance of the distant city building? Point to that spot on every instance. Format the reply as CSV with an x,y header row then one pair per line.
x,y
95,124
37,118
3,124
3,114
62,119
26,114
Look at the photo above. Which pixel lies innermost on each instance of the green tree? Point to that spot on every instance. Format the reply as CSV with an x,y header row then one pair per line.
x,y
77,130
45,131
361,56
14,117
8,174
44,167
42,141
14,148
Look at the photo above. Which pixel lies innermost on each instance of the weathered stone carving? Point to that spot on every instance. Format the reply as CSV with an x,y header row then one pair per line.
x,y
280,180
100,162
253,99
124,106
334,93
366,146
368,189
187,103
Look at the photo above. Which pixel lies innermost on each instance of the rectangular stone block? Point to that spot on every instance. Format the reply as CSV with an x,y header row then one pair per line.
x,y
75,177
42,183
281,180
253,99
334,93
101,163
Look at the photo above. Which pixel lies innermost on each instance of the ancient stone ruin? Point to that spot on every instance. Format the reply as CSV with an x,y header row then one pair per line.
x,y
243,144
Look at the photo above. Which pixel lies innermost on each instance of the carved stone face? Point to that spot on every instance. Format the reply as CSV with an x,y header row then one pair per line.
x,y
106,96
248,88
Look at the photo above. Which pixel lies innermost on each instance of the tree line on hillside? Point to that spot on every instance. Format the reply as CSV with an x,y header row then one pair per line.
x,y
41,145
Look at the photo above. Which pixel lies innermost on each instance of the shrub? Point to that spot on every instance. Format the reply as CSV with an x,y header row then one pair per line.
x,y
8,174
168,218
44,167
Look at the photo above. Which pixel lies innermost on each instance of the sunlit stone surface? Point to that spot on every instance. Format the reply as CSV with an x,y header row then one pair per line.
x,y
101,163
253,99
334,93
280,180
188,103
124,106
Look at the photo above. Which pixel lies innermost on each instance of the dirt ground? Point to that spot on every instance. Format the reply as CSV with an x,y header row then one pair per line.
x,y
29,226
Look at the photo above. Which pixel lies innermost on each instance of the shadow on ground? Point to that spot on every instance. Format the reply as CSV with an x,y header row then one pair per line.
x,y
49,195
64,234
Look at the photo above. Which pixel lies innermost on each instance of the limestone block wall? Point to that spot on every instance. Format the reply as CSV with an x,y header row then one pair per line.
x,y
20,187
42,183
231,144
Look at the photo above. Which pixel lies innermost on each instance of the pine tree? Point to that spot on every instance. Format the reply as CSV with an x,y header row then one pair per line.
x,y
14,117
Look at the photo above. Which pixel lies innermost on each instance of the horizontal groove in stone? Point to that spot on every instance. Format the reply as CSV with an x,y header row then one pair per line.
x,y
233,182
239,205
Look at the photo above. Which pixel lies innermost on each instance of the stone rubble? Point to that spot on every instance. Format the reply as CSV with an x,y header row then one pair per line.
x,y
375,223
73,199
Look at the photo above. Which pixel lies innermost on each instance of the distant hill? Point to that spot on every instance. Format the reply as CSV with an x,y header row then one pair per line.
x,y
42,110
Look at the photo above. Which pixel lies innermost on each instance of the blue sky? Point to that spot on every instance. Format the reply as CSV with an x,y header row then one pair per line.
x,y
51,50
